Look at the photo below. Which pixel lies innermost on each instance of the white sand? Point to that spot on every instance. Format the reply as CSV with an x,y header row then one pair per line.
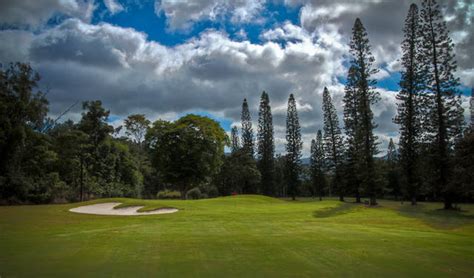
x,y
108,209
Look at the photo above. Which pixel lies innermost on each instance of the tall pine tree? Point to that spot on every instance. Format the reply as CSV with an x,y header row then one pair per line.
x,y
333,143
353,140
247,131
318,180
234,139
266,146
293,148
392,169
445,114
471,109
362,62
409,110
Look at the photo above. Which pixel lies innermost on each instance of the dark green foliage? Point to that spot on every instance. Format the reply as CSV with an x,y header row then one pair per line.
x,y
194,194
266,146
444,112
168,194
392,175
238,174
188,151
462,183
333,143
409,111
293,148
22,112
136,126
318,179
247,131
361,86
234,139
353,140
94,122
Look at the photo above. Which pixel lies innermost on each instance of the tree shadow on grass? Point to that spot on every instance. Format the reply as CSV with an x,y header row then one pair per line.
x,y
343,208
437,218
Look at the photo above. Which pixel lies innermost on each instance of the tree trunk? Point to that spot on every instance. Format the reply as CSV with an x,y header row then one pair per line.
x,y
81,193
448,203
413,201
373,201
357,196
341,197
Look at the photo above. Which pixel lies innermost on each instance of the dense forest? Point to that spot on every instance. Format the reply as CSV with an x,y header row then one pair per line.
x,y
45,160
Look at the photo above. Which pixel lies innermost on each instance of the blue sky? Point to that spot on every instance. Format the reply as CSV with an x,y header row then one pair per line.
x,y
168,58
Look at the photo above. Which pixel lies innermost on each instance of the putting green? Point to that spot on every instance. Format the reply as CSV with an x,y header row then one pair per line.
x,y
239,236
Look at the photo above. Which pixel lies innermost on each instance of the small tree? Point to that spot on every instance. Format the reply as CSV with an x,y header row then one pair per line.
x,y
392,171
247,131
317,164
234,139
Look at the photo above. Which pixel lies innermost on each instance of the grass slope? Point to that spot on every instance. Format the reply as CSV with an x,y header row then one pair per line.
x,y
239,236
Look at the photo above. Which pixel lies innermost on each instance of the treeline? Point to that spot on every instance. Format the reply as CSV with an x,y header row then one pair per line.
x,y
43,160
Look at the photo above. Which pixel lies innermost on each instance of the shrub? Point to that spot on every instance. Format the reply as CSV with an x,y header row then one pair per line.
x,y
194,193
168,194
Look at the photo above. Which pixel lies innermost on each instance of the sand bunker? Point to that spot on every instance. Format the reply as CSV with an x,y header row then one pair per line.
x,y
108,209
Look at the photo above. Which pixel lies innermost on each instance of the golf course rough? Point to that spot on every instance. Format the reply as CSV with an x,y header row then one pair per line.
x,y
239,236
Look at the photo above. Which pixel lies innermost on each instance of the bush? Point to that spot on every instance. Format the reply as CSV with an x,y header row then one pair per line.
x,y
168,194
194,194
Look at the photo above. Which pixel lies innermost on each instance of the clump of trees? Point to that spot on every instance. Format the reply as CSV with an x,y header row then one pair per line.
x,y
45,160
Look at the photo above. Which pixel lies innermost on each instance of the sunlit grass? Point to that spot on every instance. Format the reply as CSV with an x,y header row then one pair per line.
x,y
239,236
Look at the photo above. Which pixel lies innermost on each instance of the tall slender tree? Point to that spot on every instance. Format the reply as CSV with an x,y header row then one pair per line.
x,y
392,169
234,139
409,110
353,140
444,104
362,61
247,131
318,180
471,108
266,146
293,148
333,143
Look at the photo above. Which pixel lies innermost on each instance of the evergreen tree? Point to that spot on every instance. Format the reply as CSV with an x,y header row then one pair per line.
x,y
333,144
293,148
234,139
362,61
445,114
392,171
471,108
247,131
353,140
317,165
266,146
409,111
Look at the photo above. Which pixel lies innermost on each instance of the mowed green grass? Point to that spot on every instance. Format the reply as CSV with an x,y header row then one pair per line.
x,y
240,236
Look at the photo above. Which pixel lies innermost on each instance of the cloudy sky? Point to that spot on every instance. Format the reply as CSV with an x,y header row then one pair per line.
x,y
166,58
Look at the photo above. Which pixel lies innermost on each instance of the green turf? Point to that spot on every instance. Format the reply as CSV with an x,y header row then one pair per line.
x,y
239,237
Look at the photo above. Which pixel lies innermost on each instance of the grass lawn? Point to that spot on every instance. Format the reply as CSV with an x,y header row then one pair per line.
x,y
239,236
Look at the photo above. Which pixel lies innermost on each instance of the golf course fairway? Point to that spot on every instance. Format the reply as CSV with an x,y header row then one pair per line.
x,y
239,236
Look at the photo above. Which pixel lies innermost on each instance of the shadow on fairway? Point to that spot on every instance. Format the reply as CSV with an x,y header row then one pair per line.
x,y
343,208
437,218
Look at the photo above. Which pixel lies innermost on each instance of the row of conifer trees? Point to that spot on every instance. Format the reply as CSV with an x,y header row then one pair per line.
x,y
430,118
